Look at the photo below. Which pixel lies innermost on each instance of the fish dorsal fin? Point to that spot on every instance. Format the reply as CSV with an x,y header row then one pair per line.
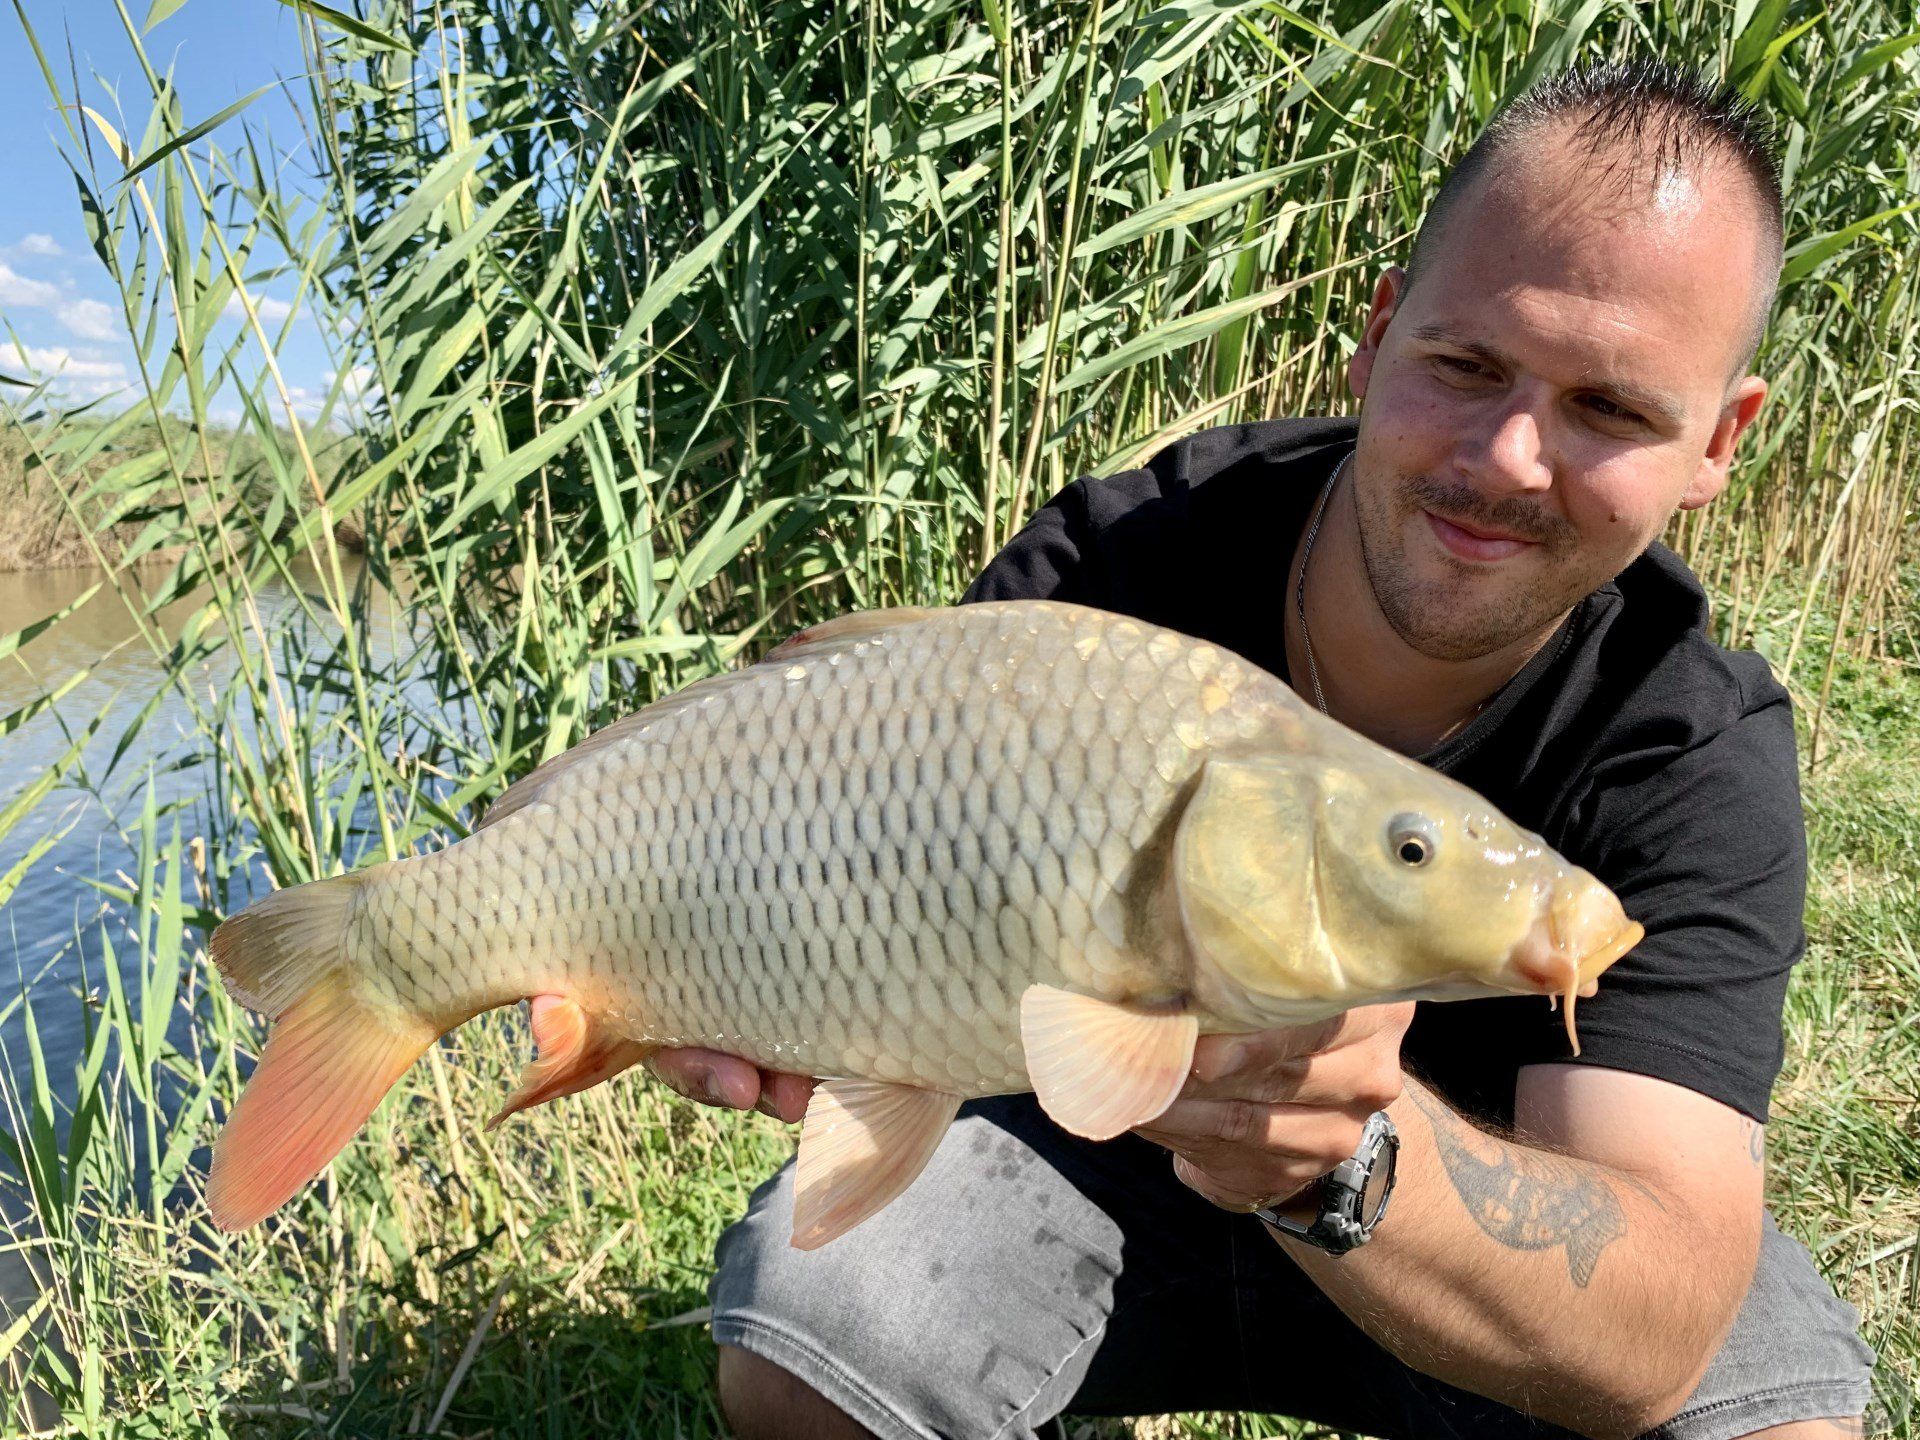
x,y
862,1144
815,639
1101,1068
577,1050
844,628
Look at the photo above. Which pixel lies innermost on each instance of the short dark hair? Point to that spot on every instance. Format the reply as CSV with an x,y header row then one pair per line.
x,y
1659,118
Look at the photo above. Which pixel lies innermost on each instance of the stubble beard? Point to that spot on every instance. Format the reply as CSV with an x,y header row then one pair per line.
x,y
1462,616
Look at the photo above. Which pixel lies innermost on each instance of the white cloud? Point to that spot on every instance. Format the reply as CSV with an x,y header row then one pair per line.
x,y
271,310
37,244
17,289
90,320
72,376
58,360
83,318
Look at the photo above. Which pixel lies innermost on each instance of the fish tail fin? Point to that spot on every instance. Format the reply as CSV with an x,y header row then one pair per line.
x,y
332,1053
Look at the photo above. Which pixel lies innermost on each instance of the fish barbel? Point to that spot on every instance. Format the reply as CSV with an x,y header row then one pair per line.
x,y
929,854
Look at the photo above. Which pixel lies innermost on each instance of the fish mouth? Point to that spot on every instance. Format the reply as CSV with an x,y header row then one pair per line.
x,y
1603,955
1582,931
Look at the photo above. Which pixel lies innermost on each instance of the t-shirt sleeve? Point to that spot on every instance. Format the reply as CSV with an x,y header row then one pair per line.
x,y
1707,849
1052,558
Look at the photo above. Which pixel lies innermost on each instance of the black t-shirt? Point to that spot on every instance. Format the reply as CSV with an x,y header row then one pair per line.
x,y
1634,744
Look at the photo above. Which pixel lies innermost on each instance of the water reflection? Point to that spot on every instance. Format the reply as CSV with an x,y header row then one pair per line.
x,y
49,930
50,942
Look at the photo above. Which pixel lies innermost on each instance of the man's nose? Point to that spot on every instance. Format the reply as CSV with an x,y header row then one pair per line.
x,y
1508,454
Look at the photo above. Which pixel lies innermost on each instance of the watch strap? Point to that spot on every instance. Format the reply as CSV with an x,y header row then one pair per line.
x,y
1340,1226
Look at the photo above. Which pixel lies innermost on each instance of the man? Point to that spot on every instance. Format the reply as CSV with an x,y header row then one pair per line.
x,y
1469,576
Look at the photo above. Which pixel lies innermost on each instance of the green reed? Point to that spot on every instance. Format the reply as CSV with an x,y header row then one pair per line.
x,y
660,336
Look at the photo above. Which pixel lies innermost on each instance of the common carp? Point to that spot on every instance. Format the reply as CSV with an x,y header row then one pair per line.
x,y
929,854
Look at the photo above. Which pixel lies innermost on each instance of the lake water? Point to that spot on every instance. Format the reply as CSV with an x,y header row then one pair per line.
x,y
50,930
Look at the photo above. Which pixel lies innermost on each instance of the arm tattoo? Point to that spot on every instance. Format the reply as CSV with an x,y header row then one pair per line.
x,y
1524,1198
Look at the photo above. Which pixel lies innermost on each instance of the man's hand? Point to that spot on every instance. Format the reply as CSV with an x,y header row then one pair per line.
x,y
1264,1115
726,1080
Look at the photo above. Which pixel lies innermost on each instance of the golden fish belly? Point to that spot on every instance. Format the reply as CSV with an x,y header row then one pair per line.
x,y
850,863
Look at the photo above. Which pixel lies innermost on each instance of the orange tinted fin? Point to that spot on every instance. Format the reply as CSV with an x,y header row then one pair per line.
x,y
1102,1068
862,1144
330,1056
577,1051
327,1061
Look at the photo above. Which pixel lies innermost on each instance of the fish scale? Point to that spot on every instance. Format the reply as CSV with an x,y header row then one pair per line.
x,y
927,855
1059,771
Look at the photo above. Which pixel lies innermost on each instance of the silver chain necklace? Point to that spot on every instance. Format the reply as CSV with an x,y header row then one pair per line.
x,y
1300,606
1300,587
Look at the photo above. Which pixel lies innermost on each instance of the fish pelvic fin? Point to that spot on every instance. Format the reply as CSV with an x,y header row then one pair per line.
x,y
576,1051
1101,1068
863,1142
332,1052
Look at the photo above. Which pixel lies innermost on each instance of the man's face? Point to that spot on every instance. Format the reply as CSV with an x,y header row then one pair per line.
x,y
1556,384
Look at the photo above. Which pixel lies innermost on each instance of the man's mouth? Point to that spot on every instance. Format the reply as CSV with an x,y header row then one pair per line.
x,y
1474,542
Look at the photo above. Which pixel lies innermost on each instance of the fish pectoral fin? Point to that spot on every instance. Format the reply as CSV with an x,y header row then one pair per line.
x,y
1102,1068
863,1143
576,1051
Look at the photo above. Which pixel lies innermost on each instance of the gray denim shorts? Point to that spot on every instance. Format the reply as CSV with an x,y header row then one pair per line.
x,y
1028,1273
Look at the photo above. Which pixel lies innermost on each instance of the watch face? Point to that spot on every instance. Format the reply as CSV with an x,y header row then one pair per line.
x,y
1373,1198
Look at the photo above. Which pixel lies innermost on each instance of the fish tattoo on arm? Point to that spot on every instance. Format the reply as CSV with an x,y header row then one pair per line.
x,y
1527,1199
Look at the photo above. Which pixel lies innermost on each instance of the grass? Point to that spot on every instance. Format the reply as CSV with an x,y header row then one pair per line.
x,y
1844,1148
548,1278
680,338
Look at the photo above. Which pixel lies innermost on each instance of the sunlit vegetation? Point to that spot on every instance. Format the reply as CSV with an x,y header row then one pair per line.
x,y
664,331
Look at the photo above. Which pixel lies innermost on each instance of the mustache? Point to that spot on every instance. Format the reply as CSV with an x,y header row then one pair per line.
x,y
1460,502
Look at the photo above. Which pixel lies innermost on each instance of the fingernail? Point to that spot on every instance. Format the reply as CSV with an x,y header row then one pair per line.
x,y
705,1085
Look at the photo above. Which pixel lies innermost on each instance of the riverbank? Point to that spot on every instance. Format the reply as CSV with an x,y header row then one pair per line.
x,y
100,507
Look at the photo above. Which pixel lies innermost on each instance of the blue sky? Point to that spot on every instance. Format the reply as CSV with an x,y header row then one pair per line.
x,y
57,303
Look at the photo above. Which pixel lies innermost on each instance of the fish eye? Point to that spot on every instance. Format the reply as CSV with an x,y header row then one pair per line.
x,y
1412,839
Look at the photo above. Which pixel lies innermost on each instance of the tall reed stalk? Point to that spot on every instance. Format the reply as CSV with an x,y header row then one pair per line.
x,y
661,332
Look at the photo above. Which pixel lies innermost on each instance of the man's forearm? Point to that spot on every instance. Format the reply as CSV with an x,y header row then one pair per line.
x,y
1564,1288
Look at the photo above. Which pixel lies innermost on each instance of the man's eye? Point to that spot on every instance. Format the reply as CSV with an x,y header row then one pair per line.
x,y
1458,365
1600,405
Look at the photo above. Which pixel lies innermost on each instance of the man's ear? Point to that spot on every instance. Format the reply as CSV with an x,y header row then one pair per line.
x,y
1386,299
1735,416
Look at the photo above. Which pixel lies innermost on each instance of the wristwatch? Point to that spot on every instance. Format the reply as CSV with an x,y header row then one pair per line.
x,y
1353,1197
